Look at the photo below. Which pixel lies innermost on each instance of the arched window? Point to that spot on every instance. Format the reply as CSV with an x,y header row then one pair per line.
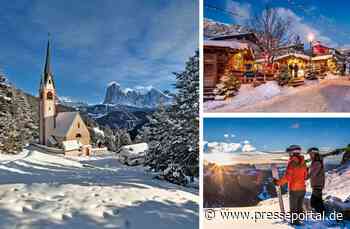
x,y
78,124
49,95
78,136
49,81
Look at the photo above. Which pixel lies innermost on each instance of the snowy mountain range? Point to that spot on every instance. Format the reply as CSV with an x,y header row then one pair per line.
x,y
213,28
67,101
138,97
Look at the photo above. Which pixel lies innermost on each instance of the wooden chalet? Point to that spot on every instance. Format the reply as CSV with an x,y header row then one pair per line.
x,y
218,55
327,59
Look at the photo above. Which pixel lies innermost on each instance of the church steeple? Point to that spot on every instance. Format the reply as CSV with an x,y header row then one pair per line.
x,y
47,70
48,76
47,105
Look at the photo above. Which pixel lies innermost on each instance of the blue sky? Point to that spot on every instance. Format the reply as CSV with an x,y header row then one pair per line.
x,y
278,133
328,20
133,42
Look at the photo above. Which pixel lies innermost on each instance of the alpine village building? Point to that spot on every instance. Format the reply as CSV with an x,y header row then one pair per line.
x,y
65,130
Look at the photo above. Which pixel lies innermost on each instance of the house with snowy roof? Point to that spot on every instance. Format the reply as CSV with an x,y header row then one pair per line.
x,y
326,59
65,130
221,53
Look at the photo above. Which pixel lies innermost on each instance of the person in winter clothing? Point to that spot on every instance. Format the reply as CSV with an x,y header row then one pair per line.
x,y
295,175
346,155
296,70
317,179
291,70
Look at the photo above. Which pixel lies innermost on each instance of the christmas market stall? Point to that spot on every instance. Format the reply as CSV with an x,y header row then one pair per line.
x,y
327,60
296,62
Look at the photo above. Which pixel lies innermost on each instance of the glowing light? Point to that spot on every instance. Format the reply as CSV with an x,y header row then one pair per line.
x,y
311,37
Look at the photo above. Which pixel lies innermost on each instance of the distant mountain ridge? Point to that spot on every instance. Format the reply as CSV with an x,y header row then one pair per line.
x,y
118,116
66,101
213,29
148,97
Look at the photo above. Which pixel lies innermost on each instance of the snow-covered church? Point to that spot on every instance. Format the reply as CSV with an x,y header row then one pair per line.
x,y
65,130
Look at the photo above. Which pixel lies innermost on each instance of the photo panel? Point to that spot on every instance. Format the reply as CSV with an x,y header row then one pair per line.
x,y
275,56
276,172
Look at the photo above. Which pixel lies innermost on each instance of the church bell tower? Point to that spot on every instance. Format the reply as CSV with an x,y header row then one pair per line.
x,y
47,105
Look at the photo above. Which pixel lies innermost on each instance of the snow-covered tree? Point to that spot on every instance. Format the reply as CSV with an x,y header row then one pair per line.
x,y
283,76
229,84
155,134
184,139
173,132
124,137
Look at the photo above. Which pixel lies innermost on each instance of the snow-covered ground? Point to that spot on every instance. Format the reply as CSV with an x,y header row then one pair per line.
x,y
337,188
316,96
249,95
39,190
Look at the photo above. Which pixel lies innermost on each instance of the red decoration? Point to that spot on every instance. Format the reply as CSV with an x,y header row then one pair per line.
x,y
319,49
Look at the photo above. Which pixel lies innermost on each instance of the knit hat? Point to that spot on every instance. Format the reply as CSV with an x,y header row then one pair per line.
x,y
313,150
295,149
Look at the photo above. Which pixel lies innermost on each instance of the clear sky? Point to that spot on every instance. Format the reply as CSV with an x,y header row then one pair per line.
x,y
328,20
133,42
278,133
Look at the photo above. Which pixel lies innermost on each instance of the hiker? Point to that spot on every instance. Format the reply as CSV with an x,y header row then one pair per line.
x,y
295,175
317,179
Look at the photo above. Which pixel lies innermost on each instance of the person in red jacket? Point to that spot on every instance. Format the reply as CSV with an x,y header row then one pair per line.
x,y
295,175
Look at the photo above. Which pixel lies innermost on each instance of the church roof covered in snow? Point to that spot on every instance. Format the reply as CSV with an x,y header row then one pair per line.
x,y
64,121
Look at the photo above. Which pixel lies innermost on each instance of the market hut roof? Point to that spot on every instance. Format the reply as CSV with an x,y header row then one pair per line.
x,y
323,57
296,55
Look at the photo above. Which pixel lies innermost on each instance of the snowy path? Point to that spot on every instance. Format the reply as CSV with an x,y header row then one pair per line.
x,y
39,190
329,96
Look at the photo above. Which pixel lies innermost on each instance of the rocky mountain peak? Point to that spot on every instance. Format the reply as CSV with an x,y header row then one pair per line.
x,y
139,96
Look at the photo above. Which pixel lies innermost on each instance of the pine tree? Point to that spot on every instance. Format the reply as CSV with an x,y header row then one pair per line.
x,y
283,77
173,133
229,84
154,133
183,144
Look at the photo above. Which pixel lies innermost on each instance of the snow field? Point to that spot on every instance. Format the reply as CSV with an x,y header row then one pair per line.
x,y
40,190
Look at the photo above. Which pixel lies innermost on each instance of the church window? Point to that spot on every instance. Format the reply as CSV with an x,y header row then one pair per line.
x,y
78,136
49,81
49,95
78,124
49,108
